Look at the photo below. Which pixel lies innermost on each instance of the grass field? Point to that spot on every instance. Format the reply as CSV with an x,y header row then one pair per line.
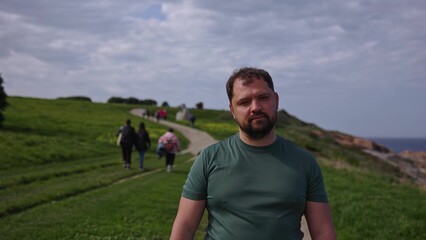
x,y
61,177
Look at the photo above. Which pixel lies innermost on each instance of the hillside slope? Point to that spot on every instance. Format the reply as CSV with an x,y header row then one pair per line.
x,y
53,151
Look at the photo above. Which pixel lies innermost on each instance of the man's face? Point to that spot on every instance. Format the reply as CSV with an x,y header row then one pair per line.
x,y
254,107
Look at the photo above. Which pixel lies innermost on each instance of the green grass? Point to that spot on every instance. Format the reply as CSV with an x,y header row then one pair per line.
x,y
139,208
366,205
61,177
38,132
51,170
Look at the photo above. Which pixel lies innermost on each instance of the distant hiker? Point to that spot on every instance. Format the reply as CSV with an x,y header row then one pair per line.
x,y
157,116
127,140
143,142
192,118
143,112
171,146
162,114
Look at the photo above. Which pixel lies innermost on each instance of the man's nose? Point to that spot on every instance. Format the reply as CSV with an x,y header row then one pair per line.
x,y
256,106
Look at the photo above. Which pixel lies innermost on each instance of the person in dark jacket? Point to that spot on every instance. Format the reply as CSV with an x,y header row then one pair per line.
x,y
127,140
192,120
143,142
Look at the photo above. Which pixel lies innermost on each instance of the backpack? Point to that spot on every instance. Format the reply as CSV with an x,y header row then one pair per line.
x,y
126,136
169,145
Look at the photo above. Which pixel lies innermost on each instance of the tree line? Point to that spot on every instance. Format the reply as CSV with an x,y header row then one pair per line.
x,y
130,100
3,102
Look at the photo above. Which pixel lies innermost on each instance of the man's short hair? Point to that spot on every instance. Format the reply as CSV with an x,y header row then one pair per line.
x,y
246,75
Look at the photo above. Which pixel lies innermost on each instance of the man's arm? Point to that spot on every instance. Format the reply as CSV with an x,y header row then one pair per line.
x,y
319,221
187,219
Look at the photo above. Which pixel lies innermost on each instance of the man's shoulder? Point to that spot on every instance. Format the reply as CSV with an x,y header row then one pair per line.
x,y
286,142
223,145
292,147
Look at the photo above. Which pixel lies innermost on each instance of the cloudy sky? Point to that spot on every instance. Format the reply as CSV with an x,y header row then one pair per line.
x,y
354,66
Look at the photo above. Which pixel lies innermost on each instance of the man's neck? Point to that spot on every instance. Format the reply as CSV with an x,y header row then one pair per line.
x,y
261,142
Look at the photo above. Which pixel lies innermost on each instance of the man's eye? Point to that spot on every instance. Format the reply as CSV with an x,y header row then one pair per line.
x,y
244,103
264,97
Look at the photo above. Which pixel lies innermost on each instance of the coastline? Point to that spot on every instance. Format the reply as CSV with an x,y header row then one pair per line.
x,y
401,144
411,163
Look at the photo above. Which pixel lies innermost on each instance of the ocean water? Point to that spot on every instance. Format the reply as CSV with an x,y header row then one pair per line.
x,y
400,144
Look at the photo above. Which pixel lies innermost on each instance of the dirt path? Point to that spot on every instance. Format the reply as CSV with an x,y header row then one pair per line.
x,y
199,140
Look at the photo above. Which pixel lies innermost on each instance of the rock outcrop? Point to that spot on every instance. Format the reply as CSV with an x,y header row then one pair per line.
x,y
361,143
411,163
416,156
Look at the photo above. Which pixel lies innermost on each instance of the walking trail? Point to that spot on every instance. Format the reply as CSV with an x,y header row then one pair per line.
x,y
198,140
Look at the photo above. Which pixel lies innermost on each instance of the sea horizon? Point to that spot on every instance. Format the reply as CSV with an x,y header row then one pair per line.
x,y
399,144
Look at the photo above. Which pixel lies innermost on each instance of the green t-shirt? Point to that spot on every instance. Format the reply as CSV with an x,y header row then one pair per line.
x,y
254,192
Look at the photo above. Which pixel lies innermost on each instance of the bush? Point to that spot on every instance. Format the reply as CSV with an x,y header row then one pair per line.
x,y
132,100
80,98
3,102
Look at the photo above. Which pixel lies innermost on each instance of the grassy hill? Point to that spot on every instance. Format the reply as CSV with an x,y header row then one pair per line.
x,y
61,176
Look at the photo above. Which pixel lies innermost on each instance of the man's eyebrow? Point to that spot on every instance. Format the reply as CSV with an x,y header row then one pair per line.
x,y
243,99
264,94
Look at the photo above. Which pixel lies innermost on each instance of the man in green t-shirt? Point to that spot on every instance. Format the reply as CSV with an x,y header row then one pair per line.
x,y
254,184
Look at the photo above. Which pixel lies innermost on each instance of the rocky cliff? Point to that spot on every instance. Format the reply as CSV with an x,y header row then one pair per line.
x,y
411,163
358,142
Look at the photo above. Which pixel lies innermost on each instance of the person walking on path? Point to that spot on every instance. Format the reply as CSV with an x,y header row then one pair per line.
x,y
143,142
127,140
172,146
192,119
254,184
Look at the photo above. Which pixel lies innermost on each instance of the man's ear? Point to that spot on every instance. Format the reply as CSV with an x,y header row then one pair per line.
x,y
231,109
277,99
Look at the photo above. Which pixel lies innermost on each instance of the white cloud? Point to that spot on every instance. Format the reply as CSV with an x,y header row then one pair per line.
x,y
324,56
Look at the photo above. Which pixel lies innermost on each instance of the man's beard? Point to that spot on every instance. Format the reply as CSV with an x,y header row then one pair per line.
x,y
261,129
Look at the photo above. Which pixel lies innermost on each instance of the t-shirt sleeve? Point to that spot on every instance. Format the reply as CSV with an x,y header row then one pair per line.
x,y
195,187
316,190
